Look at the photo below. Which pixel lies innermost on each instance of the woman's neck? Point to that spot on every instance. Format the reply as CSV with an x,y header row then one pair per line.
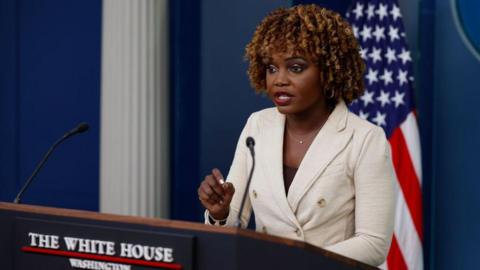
x,y
309,120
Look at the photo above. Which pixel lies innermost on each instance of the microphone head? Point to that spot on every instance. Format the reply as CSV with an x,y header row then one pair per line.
x,y
250,142
82,127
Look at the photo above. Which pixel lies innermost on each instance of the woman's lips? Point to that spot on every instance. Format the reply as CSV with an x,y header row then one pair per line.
x,y
282,98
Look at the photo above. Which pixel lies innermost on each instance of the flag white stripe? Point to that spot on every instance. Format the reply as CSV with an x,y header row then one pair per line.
x,y
406,234
412,138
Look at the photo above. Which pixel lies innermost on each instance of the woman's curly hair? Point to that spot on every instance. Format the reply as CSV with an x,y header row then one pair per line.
x,y
314,32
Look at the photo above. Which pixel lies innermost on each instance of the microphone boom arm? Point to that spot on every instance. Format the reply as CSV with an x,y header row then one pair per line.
x,y
82,127
38,168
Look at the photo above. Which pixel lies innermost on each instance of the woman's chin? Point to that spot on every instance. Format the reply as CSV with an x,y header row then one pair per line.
x,y
285,109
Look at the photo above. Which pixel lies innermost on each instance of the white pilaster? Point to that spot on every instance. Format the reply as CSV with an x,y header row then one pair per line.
x,y
134,178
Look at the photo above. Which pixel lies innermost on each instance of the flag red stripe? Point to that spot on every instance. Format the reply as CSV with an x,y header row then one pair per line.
x,y
407,178
395,259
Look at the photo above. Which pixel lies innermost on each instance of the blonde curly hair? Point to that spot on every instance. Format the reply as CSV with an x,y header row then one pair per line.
x,y
316,33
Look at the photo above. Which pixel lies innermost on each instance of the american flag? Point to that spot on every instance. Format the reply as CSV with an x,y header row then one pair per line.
x,y
388,102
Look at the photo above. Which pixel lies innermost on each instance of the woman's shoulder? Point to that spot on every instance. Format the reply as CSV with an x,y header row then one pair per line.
x,y
363,127
266,115
262,120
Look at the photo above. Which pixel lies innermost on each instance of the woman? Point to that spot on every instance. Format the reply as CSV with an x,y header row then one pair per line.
x,y
323,175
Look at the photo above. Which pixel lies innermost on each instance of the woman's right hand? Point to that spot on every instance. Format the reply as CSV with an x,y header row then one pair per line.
x,y
216,195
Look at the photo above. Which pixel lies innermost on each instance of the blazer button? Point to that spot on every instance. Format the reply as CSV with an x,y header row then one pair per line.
x,y
322,202
264,229
298,232
254,193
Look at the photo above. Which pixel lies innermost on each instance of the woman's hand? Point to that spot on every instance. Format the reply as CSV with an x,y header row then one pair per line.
x,y
216,195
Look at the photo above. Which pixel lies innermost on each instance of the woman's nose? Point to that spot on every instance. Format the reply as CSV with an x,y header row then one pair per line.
x,y
281,79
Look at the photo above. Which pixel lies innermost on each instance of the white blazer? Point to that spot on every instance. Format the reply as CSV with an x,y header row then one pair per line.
x,y
342,196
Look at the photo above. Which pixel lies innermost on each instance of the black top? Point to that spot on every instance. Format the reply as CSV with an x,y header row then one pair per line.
x,y
288,175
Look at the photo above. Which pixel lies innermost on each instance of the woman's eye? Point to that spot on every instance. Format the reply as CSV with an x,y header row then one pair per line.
x,y
271,69
296,68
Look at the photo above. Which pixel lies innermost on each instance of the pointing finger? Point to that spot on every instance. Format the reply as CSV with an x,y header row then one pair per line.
x,y
215,185
218,176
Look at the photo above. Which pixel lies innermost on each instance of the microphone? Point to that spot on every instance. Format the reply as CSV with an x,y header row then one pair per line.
x,y
80,128
250,144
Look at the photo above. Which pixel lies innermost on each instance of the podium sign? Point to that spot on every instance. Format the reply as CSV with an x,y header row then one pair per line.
x,y
59,245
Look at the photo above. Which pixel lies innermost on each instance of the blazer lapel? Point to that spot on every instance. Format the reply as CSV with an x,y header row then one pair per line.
x,y
273,158
329,142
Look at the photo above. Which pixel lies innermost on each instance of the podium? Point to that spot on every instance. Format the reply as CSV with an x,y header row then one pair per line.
x,y
36,237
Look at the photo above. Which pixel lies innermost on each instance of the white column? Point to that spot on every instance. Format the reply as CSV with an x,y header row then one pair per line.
x,y
134,177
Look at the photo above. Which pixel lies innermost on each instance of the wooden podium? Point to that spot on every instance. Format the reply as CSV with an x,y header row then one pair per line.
x,y
35,237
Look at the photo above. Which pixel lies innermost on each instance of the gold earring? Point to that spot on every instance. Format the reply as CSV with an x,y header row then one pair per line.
x,y
329,94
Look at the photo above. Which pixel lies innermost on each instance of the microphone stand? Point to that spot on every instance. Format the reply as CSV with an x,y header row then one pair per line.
x,y
250,145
